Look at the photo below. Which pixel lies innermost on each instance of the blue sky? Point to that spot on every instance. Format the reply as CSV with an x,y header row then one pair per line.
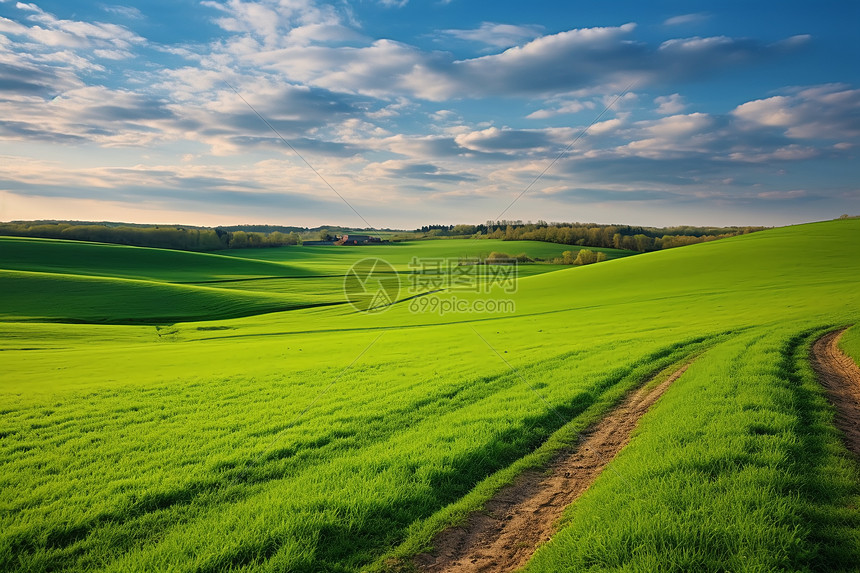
x,y
420,112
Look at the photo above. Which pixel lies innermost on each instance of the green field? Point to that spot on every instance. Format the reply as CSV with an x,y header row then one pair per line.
x,y
65,281
190,412
850,343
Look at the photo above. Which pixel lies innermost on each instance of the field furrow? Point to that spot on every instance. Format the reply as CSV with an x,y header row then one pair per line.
x,y
503,535
840,376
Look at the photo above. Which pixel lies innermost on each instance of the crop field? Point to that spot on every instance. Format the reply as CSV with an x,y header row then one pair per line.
x,y
163,410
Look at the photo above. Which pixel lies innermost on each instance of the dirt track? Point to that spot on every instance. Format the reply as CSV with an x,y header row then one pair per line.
x,y
840,376
504,535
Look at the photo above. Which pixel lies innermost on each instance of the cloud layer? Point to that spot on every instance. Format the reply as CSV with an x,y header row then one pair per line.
x,y
398,126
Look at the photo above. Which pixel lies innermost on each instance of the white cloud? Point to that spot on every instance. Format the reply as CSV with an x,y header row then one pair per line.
x,y
113,54
357,108
48,52
393,110
94,114
75,33
676,126
384,68
515,142
775,111
696,43
496,35
578,62
685,19
27,7
129,12
608,126
568,107
670,105
280,22
830,111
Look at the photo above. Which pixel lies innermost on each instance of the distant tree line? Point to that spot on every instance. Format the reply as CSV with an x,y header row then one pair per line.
x,y
450,230
190,238
581,257
266,229
627,237
158,236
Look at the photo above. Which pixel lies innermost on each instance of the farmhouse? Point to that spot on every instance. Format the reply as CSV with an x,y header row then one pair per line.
x,y
358,240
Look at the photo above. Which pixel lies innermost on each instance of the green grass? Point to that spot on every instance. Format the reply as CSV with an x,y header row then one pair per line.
x,y
850,343
54,297
736,469
72,281
117,261
323,439
337,259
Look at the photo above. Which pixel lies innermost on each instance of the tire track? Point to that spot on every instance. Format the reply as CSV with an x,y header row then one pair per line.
x,y
840,377
505,534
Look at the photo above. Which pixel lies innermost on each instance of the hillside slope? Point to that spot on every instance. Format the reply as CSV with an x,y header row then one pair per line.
x,y
325,439
118,261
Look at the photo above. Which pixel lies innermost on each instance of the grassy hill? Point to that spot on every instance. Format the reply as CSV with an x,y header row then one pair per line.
x,y
119,261
55,297
71,281
328,439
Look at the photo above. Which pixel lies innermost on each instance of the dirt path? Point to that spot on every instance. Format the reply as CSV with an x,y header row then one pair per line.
x,y
840,376
504,535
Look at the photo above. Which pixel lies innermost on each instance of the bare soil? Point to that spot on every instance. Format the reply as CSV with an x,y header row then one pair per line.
x,y
505,534
840,376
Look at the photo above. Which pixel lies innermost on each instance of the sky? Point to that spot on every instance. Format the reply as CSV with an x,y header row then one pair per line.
x,y
401,113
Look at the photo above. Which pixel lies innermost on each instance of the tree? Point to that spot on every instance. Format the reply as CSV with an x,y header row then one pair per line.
x,y
585,257
643,243
463,230
238,240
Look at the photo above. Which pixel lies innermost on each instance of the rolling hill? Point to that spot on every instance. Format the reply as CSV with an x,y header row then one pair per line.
x,y
328,439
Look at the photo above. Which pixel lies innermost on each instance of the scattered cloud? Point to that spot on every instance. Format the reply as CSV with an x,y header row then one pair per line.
x,y
129,12
277,23
391,122
670,104
496,35
782,195
686,19
513,141
791,152
51,31
95,114
580,61
830,111
564,108
412,170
